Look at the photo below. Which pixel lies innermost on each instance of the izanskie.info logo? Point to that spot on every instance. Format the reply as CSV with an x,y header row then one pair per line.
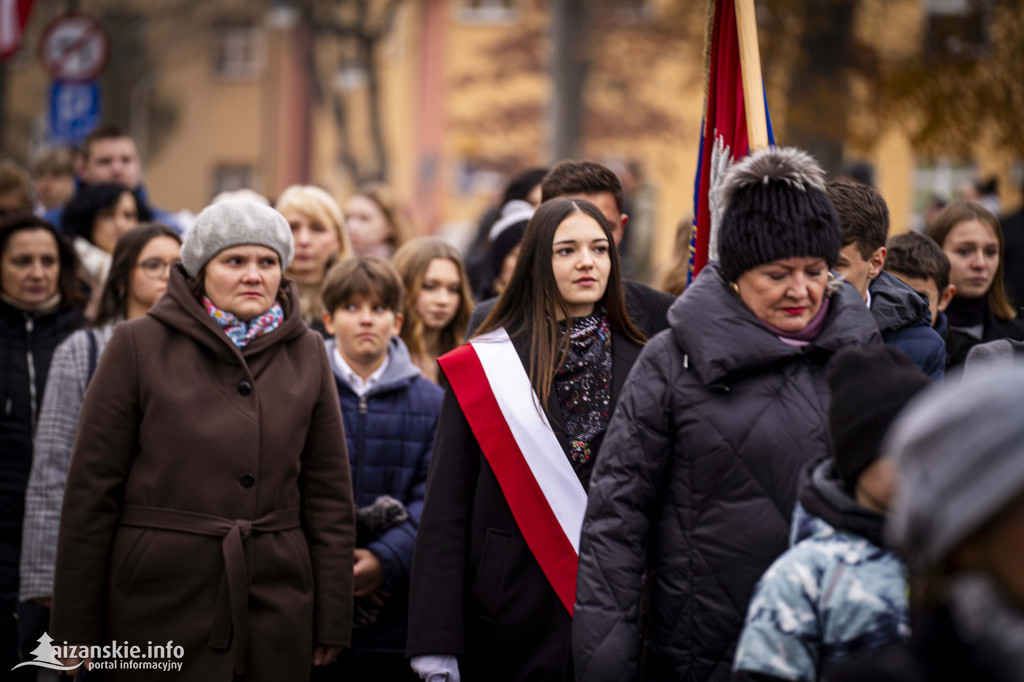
x,y
111,656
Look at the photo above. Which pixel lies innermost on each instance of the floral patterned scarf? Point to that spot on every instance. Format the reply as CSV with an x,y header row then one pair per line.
x,y
240,332
584,383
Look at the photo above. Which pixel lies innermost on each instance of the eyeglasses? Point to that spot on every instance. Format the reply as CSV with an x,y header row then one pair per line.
x,y
155,267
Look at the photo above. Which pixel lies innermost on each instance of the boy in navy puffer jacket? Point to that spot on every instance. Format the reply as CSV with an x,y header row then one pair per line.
x,y
838,592
390,413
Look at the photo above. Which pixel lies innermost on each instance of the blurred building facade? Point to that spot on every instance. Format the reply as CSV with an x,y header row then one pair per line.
x,y
454,99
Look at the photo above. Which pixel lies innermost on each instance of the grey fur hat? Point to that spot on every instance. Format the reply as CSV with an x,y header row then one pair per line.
x,y
774,206
959,449
232,223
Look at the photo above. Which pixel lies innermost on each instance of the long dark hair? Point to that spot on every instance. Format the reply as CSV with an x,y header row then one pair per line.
x,y
114,300
531,302
72,288
961,212
80,214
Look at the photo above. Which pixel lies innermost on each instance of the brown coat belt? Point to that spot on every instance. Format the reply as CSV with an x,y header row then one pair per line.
x,y
233,596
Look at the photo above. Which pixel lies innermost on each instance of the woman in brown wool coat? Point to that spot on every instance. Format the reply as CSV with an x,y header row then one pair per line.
x,y
209,500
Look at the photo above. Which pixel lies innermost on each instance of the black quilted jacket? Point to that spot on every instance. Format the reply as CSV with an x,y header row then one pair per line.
x,y
692,493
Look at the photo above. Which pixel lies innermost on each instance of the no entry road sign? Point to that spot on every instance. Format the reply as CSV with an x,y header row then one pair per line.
x,y
74,47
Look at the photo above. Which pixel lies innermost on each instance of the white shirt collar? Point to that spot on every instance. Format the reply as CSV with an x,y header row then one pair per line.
x,y
868,301
358,384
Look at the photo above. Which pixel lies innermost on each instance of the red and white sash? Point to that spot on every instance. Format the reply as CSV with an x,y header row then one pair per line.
x,y
540,486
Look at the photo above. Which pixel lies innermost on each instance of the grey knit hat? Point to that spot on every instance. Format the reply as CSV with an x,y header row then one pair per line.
x,y
774,206
960,453
232,223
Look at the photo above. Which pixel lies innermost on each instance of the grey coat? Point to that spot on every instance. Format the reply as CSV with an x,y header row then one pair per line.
x,y
695,484
55,436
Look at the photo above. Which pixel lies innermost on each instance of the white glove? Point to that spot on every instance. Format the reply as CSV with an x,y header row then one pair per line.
x,y
436,668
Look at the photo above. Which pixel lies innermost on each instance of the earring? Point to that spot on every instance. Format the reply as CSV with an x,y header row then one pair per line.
x,y
735,288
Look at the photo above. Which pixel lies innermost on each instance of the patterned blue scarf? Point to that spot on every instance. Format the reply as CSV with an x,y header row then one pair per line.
x,y
240,332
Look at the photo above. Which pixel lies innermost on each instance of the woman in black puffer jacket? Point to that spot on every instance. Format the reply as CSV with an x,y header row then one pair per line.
x,y
693,491
41,302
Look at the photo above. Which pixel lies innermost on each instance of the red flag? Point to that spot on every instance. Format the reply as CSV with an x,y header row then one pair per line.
x,y
724,137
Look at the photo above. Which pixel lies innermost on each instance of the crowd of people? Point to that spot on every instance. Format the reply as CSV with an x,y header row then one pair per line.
x,y
300,442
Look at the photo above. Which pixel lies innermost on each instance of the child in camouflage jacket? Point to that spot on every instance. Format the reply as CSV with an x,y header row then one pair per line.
x,y
838,592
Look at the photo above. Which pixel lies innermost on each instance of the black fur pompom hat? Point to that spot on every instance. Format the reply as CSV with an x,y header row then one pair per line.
x,y
774,206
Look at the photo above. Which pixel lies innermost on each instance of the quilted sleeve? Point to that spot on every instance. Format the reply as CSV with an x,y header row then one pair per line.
x,y
623,497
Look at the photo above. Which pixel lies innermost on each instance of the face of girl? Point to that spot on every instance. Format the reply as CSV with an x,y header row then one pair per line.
x,y
367,226
581,263
786,293
243,280
148,279
315,245
440,294
30,266
111,223
973,252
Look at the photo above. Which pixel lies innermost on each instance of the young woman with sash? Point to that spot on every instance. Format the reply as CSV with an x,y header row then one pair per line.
x,y
529,398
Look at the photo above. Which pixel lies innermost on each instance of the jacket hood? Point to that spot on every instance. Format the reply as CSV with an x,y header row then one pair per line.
x,y
895,305
179,309
399,372
823,495
721,336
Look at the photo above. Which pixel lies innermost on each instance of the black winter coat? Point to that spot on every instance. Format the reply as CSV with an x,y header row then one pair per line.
x,y
27,342
695,484
477,591
965,312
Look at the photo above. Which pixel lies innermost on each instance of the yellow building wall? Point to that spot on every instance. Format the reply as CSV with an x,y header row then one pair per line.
x,y
223,121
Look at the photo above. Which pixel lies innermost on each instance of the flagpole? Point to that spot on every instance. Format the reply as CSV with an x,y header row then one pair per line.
x,y
750,66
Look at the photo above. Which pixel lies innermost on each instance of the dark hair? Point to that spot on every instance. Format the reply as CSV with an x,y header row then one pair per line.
x,y
89,202
371,278
863,215
72,288
521,185
105,131
531,301
411,262
915,255
114,299
960,212
572,178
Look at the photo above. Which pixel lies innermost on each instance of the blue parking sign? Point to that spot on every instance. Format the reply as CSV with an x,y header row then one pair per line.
x,y
74,111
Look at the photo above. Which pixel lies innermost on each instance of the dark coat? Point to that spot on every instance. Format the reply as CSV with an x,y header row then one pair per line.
x,y
937,652
647,308
1013,256
696,483
959,344
183,440
390,434
903,318
27,342
477,590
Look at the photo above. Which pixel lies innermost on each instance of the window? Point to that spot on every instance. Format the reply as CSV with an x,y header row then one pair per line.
x,y
487,11
240,51
233,177
957,30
